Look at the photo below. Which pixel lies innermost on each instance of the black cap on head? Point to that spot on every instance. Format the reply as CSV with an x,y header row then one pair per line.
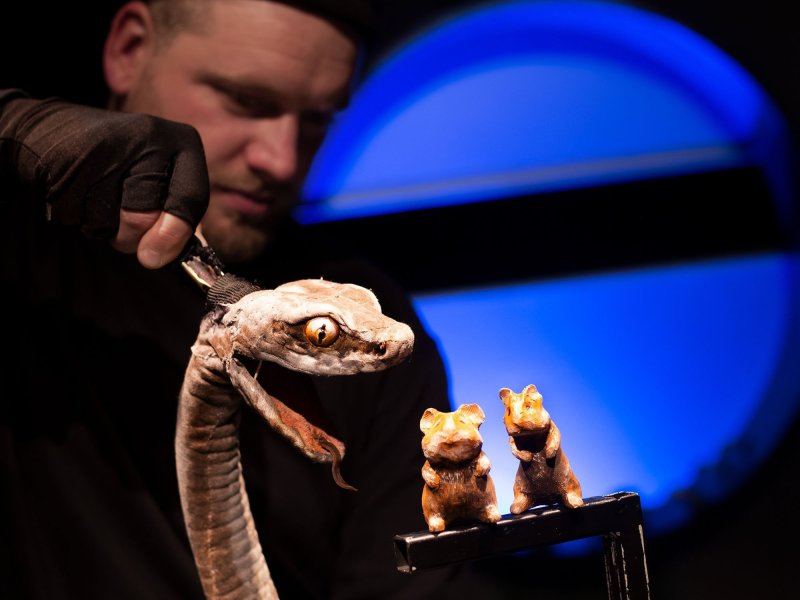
x,y
357,14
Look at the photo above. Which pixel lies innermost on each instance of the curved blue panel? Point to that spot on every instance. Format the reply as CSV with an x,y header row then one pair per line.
x,y
674,382
523,97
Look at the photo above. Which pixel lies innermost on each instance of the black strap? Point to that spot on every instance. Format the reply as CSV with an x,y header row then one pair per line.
x,y
229,289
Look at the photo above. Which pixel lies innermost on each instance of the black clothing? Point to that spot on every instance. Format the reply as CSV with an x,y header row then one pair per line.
x,y
95,351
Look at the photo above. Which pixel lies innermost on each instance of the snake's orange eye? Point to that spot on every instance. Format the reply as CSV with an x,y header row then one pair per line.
x,y
322,331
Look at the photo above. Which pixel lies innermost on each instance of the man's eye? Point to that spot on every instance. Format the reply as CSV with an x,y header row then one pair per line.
x,y
247,105
318,119
254,107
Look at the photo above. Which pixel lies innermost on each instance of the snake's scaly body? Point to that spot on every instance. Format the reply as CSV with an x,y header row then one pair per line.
x,y
312,326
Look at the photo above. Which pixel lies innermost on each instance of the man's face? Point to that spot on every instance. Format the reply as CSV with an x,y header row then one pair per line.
x,y
260,82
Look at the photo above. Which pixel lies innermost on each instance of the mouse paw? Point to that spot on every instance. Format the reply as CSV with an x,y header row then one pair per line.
x,y
491,514
573,500
436,523
520,504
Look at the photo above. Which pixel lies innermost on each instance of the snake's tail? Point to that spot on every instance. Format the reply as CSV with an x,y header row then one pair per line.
x,y
336,464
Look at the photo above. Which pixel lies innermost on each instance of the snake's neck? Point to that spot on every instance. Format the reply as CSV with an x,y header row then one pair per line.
x,y
213,496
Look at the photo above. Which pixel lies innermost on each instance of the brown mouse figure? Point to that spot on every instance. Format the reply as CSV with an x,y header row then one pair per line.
x,y
458,486
544,475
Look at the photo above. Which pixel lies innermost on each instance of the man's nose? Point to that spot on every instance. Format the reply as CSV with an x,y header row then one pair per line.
x,y
272,148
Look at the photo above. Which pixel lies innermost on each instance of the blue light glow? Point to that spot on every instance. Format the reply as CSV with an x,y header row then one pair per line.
x,y
650,374
654,376
521,97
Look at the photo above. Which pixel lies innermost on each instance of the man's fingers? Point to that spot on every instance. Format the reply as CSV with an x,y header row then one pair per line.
x,y
164,241
156,237
187,196
132,226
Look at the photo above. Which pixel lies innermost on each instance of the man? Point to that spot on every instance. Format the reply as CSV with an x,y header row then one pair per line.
x,y
260,82
98,344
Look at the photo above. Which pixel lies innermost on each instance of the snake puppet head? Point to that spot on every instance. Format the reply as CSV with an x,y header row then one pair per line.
x,y
312,326
318,327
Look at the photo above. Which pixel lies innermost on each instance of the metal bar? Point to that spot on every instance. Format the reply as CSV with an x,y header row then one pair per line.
x,y
617,517
612,553
636,584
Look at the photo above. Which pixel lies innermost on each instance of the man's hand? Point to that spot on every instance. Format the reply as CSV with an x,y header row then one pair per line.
x,y
139,181
156,237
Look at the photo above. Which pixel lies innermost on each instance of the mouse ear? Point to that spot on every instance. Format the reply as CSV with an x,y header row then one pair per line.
x,y
473,412
428,417
506,395
531,392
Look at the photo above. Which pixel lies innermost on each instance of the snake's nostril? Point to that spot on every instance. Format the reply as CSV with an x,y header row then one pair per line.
x,y
381,349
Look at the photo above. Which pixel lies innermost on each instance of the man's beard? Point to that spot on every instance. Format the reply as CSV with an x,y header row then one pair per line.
x,y
233,239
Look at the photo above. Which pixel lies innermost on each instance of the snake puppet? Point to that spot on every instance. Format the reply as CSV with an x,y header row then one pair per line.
x,y
312,326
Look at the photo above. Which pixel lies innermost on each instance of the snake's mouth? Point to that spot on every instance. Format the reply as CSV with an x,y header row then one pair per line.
x,y
289,402
294,389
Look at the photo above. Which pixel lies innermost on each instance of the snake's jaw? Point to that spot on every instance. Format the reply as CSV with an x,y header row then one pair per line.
x,y
310,440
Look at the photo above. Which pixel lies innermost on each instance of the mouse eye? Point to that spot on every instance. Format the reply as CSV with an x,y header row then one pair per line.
x,y
322,331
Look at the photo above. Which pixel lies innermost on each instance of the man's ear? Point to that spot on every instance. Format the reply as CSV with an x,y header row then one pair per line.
x,y
128,46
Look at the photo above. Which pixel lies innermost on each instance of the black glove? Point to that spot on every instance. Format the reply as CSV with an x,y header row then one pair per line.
x,y
88,163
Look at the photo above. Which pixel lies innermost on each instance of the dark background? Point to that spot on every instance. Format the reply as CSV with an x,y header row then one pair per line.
x,y
743,547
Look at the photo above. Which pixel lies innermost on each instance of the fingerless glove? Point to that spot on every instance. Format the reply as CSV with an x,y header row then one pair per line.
x,y
88,163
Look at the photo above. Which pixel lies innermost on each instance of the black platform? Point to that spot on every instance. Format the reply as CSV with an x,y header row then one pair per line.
x,y
616,517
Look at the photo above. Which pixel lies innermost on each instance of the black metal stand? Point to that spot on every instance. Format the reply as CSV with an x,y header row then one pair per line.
x,y
617,517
